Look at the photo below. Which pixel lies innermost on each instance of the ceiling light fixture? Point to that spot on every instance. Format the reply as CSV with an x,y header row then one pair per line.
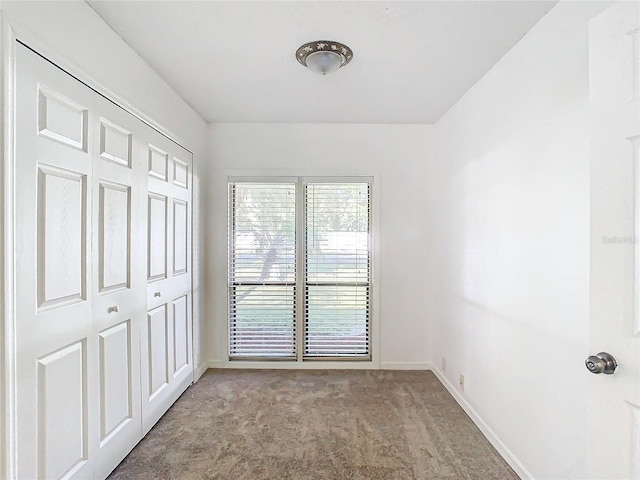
x,y
323,56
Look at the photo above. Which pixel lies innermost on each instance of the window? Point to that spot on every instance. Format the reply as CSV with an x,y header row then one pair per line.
x,y
299,268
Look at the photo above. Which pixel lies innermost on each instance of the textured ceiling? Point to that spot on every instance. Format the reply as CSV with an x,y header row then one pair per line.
x,y
233,61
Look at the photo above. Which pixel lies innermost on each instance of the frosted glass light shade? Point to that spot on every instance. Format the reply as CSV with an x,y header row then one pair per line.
x,y
324,62
323,56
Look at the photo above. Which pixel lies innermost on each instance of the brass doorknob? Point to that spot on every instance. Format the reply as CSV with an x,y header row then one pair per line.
x,y
603,362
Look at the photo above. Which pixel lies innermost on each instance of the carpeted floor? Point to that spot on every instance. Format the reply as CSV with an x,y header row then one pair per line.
x,y
315,425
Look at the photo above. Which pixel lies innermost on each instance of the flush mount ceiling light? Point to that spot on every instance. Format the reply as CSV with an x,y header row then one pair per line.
x,y
323,56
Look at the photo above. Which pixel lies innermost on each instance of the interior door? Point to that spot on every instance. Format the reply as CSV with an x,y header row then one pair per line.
x,y
166,346
614,402
54,340
118,281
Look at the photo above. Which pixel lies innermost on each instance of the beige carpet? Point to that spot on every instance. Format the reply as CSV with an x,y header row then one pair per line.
x,y
315,425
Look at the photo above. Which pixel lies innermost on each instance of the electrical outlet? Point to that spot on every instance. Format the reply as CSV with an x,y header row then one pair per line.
x,y
443,364
461,382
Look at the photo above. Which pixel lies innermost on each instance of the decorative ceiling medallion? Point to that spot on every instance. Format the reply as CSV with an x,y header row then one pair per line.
x,y
330,56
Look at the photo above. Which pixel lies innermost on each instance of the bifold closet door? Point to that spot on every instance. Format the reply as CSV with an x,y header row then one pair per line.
x,y
80,190
166,345
98,360
118,280
56,349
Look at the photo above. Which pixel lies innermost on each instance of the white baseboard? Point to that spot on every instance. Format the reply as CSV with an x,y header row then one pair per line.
x,y
405,366
217,363
199,371
341,365
207,364
502,449
291,365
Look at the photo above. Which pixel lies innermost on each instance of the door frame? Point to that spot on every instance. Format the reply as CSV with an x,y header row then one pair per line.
x,y
10,34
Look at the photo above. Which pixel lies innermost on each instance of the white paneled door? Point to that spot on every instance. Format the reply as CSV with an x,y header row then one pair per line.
x,y
117,285
614,401
102,217
54,332
166,338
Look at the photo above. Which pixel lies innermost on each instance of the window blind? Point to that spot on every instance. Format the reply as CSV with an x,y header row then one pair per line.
x,y
337,270
299,268
262,270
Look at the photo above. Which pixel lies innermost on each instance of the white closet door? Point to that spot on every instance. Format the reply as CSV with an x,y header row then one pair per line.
x,y
118,285
103,290
166,345
56,360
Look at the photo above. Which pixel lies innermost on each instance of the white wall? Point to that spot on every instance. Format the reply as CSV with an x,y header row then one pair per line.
x,y
512,247
395,155
73,35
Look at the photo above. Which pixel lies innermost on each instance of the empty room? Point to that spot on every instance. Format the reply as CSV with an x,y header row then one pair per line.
x,y
270,240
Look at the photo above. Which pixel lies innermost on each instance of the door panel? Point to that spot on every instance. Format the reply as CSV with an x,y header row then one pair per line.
x,y
157,237
62,409
180,237
115,232
180,334
115,143
158,163
62,254
158,326
180,173
116,390
62,119
53,326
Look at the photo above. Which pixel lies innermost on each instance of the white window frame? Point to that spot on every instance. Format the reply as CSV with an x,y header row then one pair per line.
x,y
372,360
